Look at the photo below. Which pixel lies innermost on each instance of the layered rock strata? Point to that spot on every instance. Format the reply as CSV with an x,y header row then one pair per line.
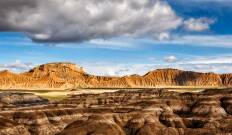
x,y
143,112
69,76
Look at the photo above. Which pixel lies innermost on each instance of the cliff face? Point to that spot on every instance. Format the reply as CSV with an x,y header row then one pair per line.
x,y
68,76
226,79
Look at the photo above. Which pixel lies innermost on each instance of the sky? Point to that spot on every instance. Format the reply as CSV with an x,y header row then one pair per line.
x,y
117,38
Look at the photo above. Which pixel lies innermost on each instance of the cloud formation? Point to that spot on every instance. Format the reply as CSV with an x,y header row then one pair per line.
x,y
171,58
223,41
81,20
121,69
199,24
217,64
16,66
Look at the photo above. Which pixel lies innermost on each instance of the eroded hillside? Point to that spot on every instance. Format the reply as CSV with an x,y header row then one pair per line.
x,y
69,76
143,112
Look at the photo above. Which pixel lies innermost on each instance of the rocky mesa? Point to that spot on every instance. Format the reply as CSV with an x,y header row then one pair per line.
x,y
70,76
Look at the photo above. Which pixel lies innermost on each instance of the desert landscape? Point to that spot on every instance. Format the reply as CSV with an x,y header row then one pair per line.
x,y
62,76
61,99
115,67
124,112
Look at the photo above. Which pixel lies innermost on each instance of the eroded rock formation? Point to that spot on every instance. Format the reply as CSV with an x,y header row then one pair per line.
x,y
69,76
142,112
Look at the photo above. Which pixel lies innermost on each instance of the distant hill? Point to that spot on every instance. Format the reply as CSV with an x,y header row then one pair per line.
x,y
70,76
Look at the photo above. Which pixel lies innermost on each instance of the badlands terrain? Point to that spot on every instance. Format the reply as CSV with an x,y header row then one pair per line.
x,y
62,76
61,99
124,112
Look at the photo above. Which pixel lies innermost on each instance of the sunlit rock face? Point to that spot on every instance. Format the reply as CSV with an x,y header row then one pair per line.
x,y
69,76
137,112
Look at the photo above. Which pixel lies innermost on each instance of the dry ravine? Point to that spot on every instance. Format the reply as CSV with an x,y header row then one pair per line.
x,y
142,112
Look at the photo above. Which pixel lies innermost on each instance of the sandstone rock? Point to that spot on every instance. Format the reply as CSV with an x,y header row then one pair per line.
x,y
70,76
140,112
20,99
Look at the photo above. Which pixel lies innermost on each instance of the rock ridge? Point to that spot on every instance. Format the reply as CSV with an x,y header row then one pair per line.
x,y
66,75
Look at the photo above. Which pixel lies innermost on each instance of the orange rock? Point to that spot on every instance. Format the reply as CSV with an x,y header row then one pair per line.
x,y
70,76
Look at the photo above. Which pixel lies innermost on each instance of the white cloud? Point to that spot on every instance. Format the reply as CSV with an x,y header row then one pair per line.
x,y
110,44
224,41
216,68
211,60
217,64
113,69
205,40
141,69
171,58
163,36
81,20
199,24
16,66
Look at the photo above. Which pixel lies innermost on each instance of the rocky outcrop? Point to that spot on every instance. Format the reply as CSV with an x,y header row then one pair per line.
x,y
9,127
140,112
226,79
12,99
69,76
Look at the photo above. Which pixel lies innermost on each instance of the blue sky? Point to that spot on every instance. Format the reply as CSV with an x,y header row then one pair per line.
x,y
201,40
